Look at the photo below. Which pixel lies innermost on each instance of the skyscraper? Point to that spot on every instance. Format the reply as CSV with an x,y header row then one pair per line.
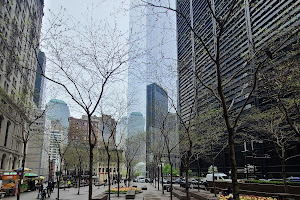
x,y
152,52
253,31
251,27
37,157
156,118
152,58
40,81
58,112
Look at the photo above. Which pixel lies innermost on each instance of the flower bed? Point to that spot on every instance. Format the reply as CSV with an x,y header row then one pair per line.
x,y
123,190
248,197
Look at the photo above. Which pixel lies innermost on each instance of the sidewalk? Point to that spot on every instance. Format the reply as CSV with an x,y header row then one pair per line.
x,y
71,193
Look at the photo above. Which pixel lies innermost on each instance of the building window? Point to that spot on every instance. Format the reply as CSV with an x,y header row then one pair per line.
x,y
1,119
6,133
3,162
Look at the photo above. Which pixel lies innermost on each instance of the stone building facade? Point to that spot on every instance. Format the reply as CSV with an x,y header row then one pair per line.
x,y
19,35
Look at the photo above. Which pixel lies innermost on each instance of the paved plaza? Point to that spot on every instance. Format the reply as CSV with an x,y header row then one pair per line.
x,y
71,193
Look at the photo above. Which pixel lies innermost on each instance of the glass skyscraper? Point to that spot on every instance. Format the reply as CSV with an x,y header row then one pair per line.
x,y
152,52
58,112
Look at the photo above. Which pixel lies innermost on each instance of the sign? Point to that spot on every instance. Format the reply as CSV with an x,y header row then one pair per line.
x,y
9,173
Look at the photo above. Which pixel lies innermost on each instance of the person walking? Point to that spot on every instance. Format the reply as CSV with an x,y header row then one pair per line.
x,y
49,188
41,188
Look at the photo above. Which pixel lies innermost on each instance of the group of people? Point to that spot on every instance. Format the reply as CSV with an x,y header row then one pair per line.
x,y
44,192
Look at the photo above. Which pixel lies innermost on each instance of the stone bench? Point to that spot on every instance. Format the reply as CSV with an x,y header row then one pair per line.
x,y
98,184
181,195
101,197
130,194
203,195
144,187
151,197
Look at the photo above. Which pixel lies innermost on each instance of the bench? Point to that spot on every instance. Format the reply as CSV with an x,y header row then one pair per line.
x,y
203,195
181,195
130,194
151,197
211,189
144,187
98,184
101,197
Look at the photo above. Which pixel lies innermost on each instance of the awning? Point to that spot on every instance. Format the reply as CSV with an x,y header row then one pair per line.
x,y
31,175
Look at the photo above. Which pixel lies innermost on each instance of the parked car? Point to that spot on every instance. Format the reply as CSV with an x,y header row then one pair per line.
x,y
142,180
165,181
148,180
177,181
193,181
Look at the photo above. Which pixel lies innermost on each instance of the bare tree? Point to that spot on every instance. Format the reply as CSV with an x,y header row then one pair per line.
x,y
85,60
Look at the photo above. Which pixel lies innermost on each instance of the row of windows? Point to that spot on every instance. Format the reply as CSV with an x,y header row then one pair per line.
x,y
106,170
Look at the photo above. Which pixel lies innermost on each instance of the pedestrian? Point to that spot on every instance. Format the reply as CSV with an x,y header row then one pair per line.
x,y
69,183
205,185
41,188
49,186
52,186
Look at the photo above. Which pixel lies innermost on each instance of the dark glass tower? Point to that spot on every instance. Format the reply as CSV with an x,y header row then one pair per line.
x,y
156,117
40,82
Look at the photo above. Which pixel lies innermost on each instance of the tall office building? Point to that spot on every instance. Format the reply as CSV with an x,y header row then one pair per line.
x,y
135,124
20,32
250,28
58,110
156,118
152,52
152,58
37,157
40,81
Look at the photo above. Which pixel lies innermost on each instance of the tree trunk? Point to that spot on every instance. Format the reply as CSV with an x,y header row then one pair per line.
x,y
22,171
118,163
171,187
162,178
154,172
198,174
108,165
79,178
283,168
213,168
235,186
91,158
187,175
157,178
57,181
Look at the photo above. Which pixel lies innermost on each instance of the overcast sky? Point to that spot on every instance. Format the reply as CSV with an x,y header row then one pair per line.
x,y
113,11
